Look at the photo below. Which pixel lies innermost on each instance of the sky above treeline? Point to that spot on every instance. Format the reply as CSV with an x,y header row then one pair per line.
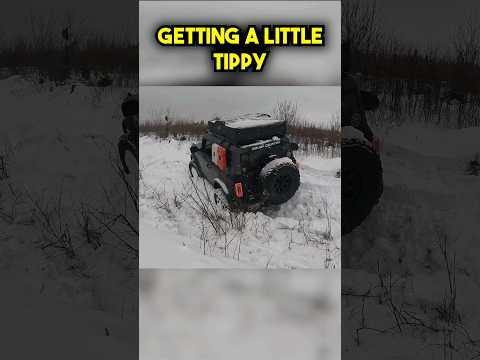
x,y
106,18
427,23
316,104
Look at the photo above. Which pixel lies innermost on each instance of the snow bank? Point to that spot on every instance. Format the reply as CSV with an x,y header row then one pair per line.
x,y
428,202
432,141
43,325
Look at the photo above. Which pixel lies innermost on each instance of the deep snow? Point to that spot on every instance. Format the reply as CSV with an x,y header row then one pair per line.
x,y
56,151
303,233
428,202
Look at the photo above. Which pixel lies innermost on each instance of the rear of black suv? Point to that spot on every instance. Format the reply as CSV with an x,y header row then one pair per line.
x,y
248,160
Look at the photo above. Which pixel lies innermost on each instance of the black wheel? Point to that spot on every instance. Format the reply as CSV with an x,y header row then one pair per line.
x,y
362,182
280,180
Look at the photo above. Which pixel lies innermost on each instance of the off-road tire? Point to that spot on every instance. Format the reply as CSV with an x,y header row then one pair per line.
x,y
280,183
362,182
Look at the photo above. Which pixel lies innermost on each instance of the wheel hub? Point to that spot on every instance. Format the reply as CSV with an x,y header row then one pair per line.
x,y
281,184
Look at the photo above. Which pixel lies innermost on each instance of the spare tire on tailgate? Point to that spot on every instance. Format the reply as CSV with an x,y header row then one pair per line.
x,y
280,179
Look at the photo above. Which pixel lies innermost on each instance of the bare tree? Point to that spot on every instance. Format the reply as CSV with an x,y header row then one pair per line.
x,y
466,41
361,27
42,30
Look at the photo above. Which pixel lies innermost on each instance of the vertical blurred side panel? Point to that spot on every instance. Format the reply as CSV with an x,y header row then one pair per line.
x,y
68,205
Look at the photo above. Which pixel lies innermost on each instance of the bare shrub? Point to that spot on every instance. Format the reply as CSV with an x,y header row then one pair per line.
x,y
114,221
447,308
286,111
328,227
3,168
120,222
221,227
10,210
89,231
7,153
440,321
431,86
55,229
173,128
320,139
361,26
466,41
324,140
61,45
163,202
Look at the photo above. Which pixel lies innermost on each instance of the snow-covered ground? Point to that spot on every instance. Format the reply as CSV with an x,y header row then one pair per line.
x,y
56,169
240,314
37,324
303,233
423,240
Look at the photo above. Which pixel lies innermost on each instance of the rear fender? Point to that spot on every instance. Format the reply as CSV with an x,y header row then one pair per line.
x,y
221,184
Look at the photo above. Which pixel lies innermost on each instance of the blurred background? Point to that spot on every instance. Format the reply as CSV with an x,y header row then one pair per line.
x,y
285,66
241,314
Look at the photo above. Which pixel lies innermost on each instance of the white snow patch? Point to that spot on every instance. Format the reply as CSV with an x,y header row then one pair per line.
x,y
349,132
272,165
250,123
294,236
54,143
238,315
427,199
431,141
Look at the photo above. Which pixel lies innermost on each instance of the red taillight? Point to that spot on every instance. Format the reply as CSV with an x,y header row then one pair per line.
x,y
239,190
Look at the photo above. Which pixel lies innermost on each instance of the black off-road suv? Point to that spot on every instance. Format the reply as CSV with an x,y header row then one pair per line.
x,y
248,160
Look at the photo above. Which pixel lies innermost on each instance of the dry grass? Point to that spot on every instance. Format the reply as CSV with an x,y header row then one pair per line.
x,y
324,140
438,86
173,128
60,46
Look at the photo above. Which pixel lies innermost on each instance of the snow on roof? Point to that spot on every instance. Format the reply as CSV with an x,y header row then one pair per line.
x,y
248,121
243,124
272,165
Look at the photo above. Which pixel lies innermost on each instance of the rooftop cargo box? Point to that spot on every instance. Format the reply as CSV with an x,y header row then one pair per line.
x,y
245,129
